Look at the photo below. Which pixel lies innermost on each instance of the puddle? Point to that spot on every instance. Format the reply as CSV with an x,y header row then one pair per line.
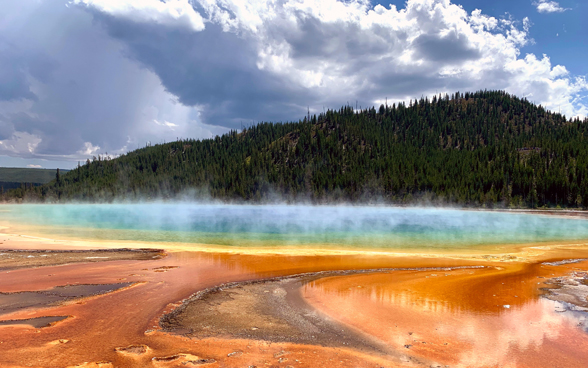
x,y
133,349
86,289
12,302
39,322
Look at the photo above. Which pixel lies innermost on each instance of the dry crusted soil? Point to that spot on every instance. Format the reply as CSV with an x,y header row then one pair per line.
x,y
13,259
272,310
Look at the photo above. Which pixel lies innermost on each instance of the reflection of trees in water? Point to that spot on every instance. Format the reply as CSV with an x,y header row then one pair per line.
x,y
405,315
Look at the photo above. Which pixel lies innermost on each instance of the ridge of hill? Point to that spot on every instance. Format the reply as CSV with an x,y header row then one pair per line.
x,y
26,175
487,148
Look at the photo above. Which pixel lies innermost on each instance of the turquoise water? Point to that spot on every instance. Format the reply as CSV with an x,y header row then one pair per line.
x,y
275,225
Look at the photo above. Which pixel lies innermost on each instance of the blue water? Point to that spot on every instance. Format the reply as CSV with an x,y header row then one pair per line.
x,y
275,225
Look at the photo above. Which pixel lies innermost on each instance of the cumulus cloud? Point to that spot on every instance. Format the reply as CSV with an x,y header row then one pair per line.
x,y
114,74
89,149
267,59
547,6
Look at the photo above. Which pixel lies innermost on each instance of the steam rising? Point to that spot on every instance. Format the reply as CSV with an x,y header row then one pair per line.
x,y
288,225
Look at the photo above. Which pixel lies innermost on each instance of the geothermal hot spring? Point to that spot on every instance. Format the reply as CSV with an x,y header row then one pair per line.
x,y
342,227
301,286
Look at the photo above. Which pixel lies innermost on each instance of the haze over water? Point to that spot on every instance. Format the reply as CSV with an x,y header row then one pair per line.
x,y
294,225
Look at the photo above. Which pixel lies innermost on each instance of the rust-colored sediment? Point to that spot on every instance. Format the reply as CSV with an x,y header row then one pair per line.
x,y
446,317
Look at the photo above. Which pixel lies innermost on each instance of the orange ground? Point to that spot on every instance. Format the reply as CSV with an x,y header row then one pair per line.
x,y
454,318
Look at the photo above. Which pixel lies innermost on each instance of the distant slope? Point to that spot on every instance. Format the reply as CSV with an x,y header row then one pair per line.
x,y
477,149
7,185
25,175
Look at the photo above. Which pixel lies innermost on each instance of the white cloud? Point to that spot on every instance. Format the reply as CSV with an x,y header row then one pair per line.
x,y
89,149
348,48
21,143
32,166
547,6
166,124
548,85
171,13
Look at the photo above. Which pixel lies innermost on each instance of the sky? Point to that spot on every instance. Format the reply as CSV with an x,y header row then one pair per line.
x,y
81,78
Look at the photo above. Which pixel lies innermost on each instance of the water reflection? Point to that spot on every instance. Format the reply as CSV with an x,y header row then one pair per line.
x,y
398,312
382,295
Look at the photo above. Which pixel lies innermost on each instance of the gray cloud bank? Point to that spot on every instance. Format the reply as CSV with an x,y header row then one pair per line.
x,y
88,76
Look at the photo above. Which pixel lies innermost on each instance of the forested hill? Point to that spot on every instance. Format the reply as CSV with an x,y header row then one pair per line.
x,y
483,148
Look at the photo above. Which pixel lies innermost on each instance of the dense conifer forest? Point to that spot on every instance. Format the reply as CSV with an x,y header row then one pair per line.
x,y
486,148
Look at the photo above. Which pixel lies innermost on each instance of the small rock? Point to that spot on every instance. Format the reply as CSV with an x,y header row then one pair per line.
x,y
281,353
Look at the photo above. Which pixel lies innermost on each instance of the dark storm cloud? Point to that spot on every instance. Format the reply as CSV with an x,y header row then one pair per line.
x,y
66,82
6,129
407,83
450,48
57,139
219,70
314,38
13,78
212,68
